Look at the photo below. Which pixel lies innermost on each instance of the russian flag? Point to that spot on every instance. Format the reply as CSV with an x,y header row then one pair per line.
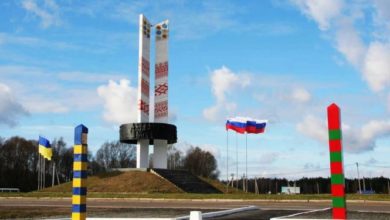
x,y
244,124
236,124
255,126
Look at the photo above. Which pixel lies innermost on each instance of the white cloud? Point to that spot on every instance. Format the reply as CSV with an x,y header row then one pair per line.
x,y
300,95
360,32
120,102
231,89
48,12
87,77
10,109
383,11
371,161
204,19
211,113
313,127
44,105
377,66
355,140
311,166
367,49
321,11
51,96
268,158
6,38
223,83
349,43
214,150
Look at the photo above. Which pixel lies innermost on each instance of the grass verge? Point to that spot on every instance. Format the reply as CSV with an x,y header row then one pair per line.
x,y
234,196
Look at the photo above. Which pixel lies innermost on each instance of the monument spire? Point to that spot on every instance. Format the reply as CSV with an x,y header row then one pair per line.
x,y
161,91
143,87
144,132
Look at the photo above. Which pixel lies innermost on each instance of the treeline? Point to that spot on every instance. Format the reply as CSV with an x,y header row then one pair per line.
x,y
19,161
314,185
197,161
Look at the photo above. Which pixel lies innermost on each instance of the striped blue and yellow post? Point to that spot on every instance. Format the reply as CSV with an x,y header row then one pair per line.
x,y
80,164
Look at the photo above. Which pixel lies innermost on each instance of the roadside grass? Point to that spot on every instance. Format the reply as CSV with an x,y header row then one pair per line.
x,y
234,196
144,185
222,187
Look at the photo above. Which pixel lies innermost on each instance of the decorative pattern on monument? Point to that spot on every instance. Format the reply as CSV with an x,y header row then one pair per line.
x,y
161,109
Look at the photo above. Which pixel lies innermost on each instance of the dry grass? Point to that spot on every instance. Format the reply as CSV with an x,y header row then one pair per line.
x,y
222,187
122,182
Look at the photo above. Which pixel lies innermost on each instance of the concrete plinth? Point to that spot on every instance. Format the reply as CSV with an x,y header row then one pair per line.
x,y
143,154
160,154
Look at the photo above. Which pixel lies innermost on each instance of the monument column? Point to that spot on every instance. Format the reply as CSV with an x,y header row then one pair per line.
x,y
161,92
143,88
158,133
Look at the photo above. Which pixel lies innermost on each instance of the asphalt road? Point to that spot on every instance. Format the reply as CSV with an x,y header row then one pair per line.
x,y
191,204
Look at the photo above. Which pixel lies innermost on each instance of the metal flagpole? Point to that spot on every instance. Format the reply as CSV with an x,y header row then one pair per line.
x,y
52,177
243,182
388,186
58,179
256,187
39,170
227,160
364,185
44,173
246,162
357,167
236,161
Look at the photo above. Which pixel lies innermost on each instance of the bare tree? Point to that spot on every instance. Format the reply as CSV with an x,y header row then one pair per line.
x,y
201,163
175,158
116,155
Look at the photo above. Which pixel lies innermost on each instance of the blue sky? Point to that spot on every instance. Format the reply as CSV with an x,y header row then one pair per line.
x,y
63,63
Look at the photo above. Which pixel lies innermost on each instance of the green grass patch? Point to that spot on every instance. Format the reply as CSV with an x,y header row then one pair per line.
x,y
238,196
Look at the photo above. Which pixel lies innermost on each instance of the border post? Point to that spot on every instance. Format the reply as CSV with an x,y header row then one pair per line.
x,y
80,165
336,163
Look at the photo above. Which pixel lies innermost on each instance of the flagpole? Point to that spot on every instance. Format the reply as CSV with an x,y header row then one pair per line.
x,y
40,173
52,177
236,162
246,162
227,160
39,169
44,173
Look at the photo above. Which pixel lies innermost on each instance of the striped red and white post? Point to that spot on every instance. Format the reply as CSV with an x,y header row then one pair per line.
x,y
336,163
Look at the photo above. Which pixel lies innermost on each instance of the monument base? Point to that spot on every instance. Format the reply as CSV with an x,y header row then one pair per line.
x,y
143,134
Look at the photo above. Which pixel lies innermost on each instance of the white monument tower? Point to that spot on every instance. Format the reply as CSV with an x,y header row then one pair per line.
x,y
161,92
143,87
146,132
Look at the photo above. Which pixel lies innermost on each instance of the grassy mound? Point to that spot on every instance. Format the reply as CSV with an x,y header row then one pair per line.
x,y
222,187
123,182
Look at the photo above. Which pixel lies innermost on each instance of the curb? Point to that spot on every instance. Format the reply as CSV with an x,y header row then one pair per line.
x,y
222,213
208,200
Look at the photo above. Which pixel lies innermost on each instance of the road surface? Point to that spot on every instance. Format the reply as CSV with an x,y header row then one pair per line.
x,y
166,207
194,204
